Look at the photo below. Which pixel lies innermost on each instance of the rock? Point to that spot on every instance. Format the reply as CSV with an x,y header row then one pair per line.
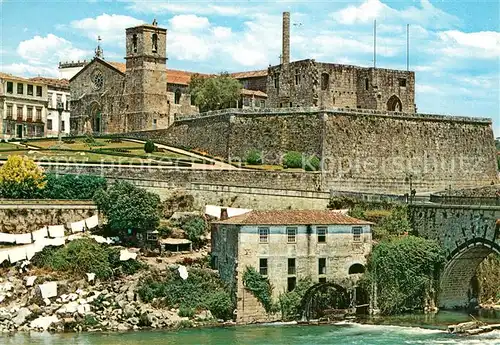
x,y
133,321
83,309
5,315
70,308
204,315
43,322
129,310
30,280
21,316
122,327
69,320
35,309
46,301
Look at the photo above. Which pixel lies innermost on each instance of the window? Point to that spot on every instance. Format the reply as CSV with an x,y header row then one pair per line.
x,y
58,99
30,113
49,124
277,81
321,234
39,114
366,84
325,81
20,88
297,76
291,105
30,90
49,98
262,104
152,236
134,43
263,235
154,123
20,112
321,266
192,100
68,101
9,111
62,126
177,96
402,82
10,87
356,233
292,282
39,91
322,280
154,41
291,267
246,101
263,267
291,234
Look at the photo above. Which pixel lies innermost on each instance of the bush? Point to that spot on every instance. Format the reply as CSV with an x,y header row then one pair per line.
x,y
290,302
203,289
260,287
186,312
406,272
254,157
73,187
164,230
86,256
21,178
312,164
293,159
195,228
149,147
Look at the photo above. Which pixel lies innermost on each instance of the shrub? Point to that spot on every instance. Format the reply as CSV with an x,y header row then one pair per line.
x,y
195,227
21,178
186,312
313,163
220,305
76,187
293,159
290,302
128,207
164,230
260,287
149,147
254,157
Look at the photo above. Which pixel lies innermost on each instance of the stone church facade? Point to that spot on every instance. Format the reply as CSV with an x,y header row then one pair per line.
x,y
110,97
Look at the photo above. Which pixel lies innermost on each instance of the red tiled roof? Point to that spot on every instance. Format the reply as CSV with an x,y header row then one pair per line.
x,y
10,76
294,217
256,93
52,81
249,74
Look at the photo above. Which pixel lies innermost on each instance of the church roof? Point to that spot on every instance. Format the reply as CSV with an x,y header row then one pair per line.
x,y
249,74
99,60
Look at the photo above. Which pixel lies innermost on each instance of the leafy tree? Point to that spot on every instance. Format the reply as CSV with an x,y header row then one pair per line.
x,y
406,272
21,178
213,93
128,207
149,147
195,228
290,302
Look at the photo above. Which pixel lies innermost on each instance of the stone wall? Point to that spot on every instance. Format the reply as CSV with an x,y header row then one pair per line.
x,y
23,216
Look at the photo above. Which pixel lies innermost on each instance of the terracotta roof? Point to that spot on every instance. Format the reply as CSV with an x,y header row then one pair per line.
x,y
13,77
253,93
250,74
294,217
64,83
118,65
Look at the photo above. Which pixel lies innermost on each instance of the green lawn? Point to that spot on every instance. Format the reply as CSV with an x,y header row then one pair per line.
x,y
8,146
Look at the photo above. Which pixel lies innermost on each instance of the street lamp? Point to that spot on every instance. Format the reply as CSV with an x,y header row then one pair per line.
x,y
60,108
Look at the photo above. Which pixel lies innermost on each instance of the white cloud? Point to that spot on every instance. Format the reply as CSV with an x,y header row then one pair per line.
x,y
111,28
369,10
192,7
425,88
186,22
189,47
222,32
51,48
483,44
23,69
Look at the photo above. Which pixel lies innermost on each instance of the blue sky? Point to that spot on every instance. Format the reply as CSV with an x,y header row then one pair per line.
x,y
454,44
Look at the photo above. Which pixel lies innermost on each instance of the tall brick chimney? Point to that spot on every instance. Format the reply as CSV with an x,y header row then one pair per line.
x,y
285,54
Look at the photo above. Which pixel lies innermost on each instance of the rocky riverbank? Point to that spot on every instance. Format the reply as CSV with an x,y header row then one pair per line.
x,y
80,305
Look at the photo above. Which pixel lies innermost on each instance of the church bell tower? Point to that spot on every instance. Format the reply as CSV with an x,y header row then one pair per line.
x,y
146,105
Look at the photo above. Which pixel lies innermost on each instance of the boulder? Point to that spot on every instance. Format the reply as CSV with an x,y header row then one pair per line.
x,y
21,316
204,315
43,322
129,310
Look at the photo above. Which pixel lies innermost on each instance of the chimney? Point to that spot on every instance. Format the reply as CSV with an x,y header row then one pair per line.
x,y
285,54
223,214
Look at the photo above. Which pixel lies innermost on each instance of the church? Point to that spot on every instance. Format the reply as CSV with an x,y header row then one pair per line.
x,y
110,97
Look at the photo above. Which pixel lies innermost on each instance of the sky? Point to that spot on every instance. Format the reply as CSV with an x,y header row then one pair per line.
x,y
454,44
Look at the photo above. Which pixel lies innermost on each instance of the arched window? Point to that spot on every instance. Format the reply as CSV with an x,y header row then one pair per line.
x,y
356,268
394,104
154,39
177,98
325,81
134,43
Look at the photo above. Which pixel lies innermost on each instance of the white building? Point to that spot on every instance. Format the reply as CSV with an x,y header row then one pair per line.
x,y
58,92
23,107
68,69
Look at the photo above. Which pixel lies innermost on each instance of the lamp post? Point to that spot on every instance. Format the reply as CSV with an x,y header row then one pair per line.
x,y
60,108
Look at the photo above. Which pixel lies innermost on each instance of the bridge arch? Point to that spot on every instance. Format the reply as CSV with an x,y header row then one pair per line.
x,y
341,298
460,269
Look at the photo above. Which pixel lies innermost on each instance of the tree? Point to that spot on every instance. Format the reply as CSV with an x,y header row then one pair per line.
x,y
149,147
128,207
213,93
21,178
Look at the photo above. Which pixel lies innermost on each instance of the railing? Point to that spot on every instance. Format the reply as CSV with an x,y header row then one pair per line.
x,y
464,200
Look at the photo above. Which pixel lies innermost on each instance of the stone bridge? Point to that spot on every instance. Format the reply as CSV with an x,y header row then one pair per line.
x,y
469,233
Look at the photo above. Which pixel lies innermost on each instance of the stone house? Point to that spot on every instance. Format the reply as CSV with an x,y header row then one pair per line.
x,y
23,107
58,92
287,246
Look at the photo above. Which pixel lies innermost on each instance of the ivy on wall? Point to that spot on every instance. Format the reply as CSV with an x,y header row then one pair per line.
x,y
260,287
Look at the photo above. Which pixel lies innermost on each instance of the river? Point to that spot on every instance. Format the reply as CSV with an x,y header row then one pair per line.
x,y
412,329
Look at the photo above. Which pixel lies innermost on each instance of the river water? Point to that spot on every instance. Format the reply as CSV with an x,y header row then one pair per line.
x,y
411,330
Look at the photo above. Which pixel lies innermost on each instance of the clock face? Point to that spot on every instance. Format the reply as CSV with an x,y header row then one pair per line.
x,y
97,80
